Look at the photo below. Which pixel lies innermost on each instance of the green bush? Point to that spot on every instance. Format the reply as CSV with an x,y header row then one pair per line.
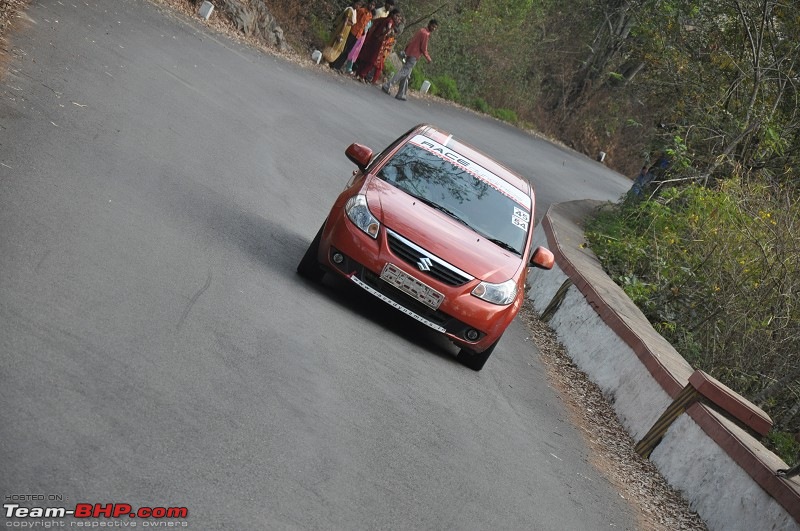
x,y
507,115
715,271
445,87
417,77
479,104
785,445
388,69
321,30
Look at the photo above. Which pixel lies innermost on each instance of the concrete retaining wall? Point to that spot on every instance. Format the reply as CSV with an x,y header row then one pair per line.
x,y
708,453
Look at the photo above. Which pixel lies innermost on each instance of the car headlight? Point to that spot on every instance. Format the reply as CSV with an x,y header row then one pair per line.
x,y
360,215
496,293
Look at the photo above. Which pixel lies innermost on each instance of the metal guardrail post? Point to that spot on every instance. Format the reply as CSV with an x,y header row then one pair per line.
x,y
718,397
684,399
558,298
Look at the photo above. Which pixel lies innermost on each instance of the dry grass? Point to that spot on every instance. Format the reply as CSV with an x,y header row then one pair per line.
x,y
11,12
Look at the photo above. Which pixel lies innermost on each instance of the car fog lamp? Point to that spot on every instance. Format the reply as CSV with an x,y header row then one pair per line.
x,y
359,214
338,258
472,334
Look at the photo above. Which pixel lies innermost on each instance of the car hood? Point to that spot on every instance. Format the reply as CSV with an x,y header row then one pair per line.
x,y
440,234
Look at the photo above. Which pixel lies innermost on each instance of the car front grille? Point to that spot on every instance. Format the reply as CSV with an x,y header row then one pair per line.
x,y
351,268
425,261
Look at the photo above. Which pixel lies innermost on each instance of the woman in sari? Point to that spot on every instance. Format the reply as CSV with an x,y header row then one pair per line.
x,y
373,45
386,48
341,30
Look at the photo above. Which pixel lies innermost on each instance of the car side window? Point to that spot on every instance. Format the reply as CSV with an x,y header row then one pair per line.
x,y
389,173
380,157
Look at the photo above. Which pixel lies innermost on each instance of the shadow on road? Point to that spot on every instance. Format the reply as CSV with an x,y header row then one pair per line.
x,y
275,246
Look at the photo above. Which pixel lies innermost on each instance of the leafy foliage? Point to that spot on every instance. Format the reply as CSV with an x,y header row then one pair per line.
x,y
712,81
785,445
445,86
507,115
479,104
716,271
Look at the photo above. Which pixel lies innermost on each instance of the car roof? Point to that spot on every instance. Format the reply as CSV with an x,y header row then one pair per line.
x,y
447,140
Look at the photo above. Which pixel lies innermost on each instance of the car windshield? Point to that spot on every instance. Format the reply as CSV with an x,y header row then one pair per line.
x,y
462,189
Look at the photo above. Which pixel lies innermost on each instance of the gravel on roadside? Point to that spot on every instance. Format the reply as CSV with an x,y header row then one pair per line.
x,y
8,11
658,505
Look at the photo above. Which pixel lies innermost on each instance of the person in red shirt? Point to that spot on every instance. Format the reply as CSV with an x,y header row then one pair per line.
x,y
417,47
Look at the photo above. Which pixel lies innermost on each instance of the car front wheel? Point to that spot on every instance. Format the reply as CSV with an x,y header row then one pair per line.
x,y
476,360
309,266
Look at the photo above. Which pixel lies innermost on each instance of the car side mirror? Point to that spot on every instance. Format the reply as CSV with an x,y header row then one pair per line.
x,y
542,258
359,154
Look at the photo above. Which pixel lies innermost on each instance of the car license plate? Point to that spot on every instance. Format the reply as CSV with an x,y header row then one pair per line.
x,y
411,286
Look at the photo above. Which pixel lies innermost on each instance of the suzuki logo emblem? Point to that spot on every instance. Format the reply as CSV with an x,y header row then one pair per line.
x,y
424,264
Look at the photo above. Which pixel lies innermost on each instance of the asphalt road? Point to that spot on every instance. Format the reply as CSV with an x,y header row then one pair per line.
x,y
158,185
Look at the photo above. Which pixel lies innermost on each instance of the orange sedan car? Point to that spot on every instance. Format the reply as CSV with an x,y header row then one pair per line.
x,y
437,230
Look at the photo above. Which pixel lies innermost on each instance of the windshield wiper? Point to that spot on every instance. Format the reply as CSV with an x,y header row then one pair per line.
x,y
505,246
447,211
456,217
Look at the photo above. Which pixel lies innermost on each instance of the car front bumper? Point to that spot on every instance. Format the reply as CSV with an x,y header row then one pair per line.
x,y
466,320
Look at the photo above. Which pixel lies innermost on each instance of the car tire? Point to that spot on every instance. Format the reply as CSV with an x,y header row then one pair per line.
x,y
309,267
475,360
